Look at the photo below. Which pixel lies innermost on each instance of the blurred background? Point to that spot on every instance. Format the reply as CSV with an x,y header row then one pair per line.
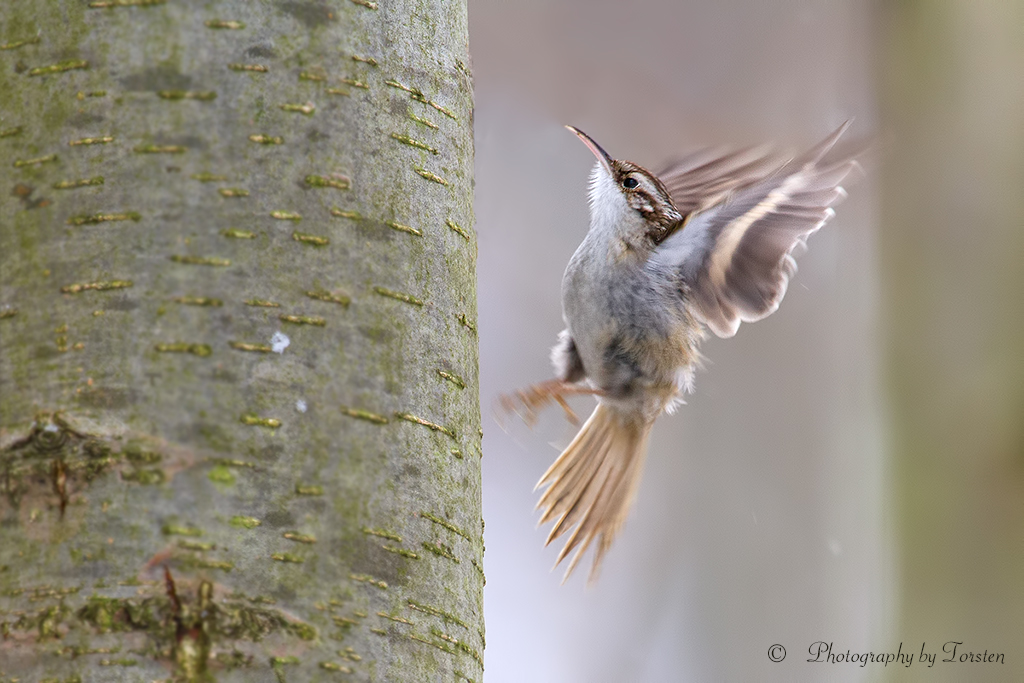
x,y
849,470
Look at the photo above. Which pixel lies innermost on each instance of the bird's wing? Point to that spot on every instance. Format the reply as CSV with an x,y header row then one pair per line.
x,y
705,177
734,252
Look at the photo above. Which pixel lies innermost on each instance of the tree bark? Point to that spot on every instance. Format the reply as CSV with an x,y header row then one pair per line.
x,y
239,421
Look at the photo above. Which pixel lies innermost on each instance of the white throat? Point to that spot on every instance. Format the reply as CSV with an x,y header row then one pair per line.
x,y
611,216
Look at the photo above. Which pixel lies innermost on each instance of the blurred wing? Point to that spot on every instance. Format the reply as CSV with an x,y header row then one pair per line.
x,y
706,177
735,254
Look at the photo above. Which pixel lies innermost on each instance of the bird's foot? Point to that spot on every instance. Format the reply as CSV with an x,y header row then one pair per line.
x,y
526,403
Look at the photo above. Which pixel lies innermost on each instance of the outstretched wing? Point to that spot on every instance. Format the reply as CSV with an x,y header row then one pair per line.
x,y
705,177
734,252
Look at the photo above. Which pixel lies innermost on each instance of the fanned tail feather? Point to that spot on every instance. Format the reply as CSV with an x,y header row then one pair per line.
x,y
593,482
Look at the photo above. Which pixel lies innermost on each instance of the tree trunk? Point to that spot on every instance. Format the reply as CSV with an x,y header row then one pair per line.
x,y
952,248
239,425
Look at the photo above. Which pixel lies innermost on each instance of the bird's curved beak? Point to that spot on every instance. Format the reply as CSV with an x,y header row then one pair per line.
x,y
598,151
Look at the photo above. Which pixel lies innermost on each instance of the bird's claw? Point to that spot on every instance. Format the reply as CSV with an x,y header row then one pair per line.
x,y
528,402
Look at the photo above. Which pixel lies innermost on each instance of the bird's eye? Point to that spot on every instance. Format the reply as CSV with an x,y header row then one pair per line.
x,y
630,183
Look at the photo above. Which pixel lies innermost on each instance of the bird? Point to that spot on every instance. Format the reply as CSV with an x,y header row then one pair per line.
x,y
705,244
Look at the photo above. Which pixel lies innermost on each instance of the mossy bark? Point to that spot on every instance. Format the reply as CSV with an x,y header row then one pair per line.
x,y
239,420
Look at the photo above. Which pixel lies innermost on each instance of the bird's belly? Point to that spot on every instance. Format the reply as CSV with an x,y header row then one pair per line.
x,y
652,360
630,325
632,343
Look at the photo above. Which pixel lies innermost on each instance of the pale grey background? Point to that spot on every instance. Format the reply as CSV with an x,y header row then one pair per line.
x,y
762,516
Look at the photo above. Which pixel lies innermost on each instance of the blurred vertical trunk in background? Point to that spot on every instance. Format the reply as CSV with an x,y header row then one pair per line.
x,y
953,249
239,426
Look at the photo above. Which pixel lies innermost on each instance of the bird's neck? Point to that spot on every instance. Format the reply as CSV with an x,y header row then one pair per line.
x,y
621,231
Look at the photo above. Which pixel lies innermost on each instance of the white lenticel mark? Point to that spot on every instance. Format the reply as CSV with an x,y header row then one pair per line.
x,y
279,342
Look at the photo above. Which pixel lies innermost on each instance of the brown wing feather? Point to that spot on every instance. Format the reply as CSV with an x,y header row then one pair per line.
x,y
735,255
706,176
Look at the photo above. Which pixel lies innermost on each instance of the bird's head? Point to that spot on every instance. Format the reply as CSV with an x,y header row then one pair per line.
x,y
626,197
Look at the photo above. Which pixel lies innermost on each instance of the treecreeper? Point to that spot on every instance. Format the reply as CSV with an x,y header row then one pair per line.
x,y
707,243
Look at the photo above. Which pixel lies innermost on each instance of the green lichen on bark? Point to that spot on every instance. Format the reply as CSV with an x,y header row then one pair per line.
x,y
154,406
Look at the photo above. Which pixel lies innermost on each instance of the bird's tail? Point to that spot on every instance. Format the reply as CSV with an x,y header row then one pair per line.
x,y
593,482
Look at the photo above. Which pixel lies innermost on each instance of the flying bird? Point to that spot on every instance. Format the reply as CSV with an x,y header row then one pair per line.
x,y
707,243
